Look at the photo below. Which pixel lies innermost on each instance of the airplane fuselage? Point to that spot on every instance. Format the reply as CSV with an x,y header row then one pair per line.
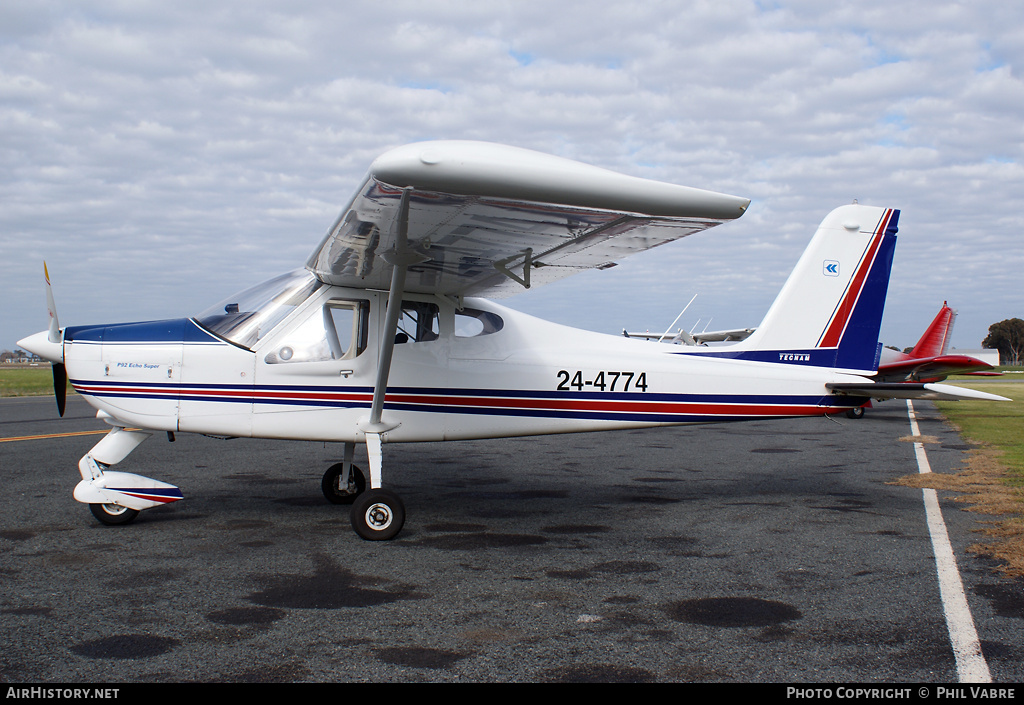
x,y
484,371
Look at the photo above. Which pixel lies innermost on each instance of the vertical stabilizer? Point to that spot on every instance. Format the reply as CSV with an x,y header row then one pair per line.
x,y
829,311
936,338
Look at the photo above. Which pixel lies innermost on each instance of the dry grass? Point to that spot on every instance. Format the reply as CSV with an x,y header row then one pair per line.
x,y
992,483
983,486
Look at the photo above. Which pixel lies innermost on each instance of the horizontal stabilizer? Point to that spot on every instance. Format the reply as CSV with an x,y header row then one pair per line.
x,y
930,369
910,390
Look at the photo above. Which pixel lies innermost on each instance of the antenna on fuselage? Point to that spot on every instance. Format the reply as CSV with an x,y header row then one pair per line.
x,y
677,320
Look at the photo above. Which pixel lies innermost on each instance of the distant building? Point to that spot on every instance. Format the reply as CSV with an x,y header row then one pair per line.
x,y
989,355
18,357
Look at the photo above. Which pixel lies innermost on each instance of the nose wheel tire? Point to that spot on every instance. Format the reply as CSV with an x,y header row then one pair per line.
x,y
113,514
335,494
378,515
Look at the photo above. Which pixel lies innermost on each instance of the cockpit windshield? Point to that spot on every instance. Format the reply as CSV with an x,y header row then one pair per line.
x,y
246,317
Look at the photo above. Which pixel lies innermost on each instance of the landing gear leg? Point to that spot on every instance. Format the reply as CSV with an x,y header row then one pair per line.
x,y
377,514
116,498
343,481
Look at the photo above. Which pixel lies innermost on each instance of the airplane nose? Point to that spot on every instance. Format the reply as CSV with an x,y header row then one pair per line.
x,y
39,344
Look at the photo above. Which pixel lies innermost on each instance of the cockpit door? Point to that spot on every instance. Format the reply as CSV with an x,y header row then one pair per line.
x,y
315,376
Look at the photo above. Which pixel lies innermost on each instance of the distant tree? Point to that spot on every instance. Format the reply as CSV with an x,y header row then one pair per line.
x,y
1008,338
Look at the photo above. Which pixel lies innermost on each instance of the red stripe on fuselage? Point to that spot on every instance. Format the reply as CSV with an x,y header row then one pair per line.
x,y
440,402
632,407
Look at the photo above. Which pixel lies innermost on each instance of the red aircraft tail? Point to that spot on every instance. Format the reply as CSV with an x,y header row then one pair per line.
x,y
936,338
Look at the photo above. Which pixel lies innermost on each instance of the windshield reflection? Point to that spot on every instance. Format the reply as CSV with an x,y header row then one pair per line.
x,y
246,317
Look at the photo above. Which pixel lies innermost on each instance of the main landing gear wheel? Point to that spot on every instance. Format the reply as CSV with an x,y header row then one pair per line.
x,y
855,412
335,494
378,515
113,514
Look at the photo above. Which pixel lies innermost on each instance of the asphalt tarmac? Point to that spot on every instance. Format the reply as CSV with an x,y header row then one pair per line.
x,y
767,551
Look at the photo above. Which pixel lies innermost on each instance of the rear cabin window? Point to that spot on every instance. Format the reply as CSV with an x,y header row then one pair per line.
x,y
472,323
418,323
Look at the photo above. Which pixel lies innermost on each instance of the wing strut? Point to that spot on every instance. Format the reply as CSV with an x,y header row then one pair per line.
x,y
400,257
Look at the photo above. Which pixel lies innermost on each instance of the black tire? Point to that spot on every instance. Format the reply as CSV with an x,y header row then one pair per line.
x,y
113,514
378,515
334,494
855,412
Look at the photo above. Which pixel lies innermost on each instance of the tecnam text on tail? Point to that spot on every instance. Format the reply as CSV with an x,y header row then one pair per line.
x,y
388,335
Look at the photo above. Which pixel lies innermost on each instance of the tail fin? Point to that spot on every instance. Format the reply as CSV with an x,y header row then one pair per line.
x,y
936,338
829,311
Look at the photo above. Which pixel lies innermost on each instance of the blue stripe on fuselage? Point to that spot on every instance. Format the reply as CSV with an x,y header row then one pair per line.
x,y
432,400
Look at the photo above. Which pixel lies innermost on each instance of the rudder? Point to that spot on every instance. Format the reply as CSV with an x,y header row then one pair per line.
x,y
829,311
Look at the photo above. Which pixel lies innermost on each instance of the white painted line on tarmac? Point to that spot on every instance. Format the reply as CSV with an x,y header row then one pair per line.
x,y
970,661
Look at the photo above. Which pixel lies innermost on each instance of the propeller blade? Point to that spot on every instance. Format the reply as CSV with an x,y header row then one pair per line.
x,y
60,386
51,307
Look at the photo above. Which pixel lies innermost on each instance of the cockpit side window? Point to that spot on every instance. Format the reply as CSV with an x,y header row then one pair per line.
x,y
419,322
338,331
346,326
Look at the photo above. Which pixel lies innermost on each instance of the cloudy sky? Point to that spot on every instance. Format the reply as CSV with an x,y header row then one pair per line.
x,y
161,155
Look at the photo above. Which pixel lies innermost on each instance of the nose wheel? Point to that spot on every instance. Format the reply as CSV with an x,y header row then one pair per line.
x,y
113,514
339,491
378,515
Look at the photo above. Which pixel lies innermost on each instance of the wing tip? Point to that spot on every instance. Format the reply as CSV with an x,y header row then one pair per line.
x,y
490,169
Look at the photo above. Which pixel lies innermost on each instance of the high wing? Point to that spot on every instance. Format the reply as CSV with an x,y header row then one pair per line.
x,y
682,337
723,336
482,219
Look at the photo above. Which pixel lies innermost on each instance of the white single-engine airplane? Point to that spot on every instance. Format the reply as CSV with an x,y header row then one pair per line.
x,y
384,336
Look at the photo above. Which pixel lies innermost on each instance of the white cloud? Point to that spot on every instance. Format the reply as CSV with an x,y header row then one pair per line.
x,y
160,155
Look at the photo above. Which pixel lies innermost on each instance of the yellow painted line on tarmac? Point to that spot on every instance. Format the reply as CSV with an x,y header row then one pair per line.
x,y
58,435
